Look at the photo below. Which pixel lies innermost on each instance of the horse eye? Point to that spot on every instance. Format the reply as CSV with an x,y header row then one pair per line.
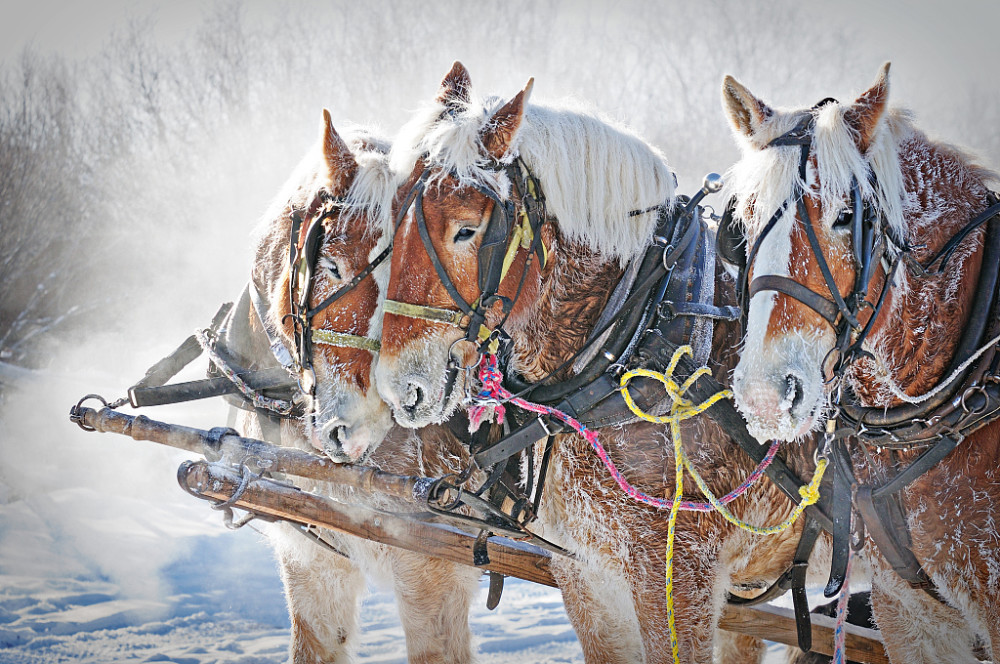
x,y
331,266
464,233
844,219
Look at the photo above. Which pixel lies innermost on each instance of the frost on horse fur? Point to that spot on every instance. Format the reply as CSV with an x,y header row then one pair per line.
x,y
614,587
927,192
323,588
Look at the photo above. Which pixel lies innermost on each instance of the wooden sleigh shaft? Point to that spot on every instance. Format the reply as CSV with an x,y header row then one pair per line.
x,y
508,557
219,482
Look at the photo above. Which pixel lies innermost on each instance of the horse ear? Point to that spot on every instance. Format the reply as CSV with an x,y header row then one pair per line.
x,y
340,162
502,127
454,88
747,113
867,110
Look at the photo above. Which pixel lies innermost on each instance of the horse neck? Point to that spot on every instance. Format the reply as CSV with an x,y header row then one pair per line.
x,y
915,342
570,299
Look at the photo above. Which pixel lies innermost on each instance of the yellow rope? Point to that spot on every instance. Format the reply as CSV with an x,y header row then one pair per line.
x,y
681,409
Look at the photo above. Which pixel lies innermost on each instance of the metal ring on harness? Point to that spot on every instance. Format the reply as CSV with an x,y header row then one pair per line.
x,y
246,476
436,491
74,412
975,389
459,365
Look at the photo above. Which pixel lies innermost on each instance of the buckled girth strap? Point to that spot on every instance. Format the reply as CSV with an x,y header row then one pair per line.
x,y
797,582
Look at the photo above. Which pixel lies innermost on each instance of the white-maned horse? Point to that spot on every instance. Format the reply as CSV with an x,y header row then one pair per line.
x,y
593,175
839,160
348,184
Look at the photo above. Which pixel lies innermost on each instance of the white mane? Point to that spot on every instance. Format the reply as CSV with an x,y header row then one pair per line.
x,y
370,194
767,176
593,172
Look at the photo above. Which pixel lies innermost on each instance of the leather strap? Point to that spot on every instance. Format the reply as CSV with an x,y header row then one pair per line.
x,y
496,590
519,439
275,378
348,287
797,582
274,341
183,355
480,554
424,312
877,518
842,481
927,460
775,282
342,340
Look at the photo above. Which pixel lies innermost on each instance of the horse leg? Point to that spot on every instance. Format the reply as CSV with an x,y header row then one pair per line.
x,y
596,601
322,590
733,648
434,597
917,628
697,597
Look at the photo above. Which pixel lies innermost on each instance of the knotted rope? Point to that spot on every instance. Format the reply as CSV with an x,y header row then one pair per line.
x,y
492,393
682,408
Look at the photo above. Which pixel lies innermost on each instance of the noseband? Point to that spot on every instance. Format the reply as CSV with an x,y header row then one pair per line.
x,y
868,248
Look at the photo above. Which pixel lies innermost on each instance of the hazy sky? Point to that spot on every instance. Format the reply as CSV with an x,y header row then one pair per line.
x,y
953,39
944,56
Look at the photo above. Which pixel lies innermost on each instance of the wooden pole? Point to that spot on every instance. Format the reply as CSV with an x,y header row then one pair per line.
x,y
266,456
776,623
509,557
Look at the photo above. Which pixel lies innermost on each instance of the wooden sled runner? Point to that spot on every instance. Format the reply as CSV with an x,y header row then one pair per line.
x,y
234,476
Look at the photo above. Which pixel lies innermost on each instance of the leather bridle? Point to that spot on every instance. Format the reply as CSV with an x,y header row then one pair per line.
x,y
508,229
304,246
870,235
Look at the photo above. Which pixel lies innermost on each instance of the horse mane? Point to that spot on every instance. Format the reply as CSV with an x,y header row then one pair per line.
x,y
593,172
370,193
766,177
367,203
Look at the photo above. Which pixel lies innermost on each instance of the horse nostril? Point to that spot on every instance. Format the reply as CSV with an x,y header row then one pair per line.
x,y
335,438
334,447
414,397
794,392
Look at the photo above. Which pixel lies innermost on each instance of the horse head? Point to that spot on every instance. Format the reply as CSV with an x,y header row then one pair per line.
x,y
517,222
313,255
812,191
459,205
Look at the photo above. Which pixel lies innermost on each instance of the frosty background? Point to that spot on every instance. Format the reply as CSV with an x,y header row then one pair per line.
x,y
139,142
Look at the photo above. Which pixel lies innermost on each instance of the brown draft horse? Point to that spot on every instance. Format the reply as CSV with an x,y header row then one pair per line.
x,y
924,192
349,183
592,175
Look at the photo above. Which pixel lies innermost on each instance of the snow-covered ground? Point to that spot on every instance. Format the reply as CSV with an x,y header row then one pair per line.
x,y
104,559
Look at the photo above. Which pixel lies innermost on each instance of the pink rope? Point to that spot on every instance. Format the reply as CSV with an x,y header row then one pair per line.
x,y
839,633
493,393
